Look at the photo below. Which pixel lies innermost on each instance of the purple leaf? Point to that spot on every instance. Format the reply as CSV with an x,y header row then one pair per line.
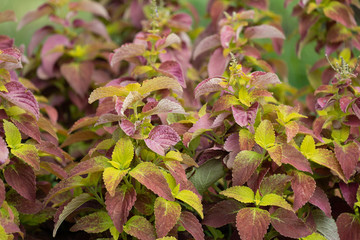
x,y
140,228
192,225
222,213
217,63
203,123
10,59
94,26
167,213
320,200
2,192
161,138
92,165
78,75
23,205
38,36
245,117
232,143
246,162
256,223
291,155
21,177
21,97
274,184
126,51
173,69
50,53
27,124
348,191
263,31
262,79
348,226
348,157
288,224
119,205
226,34
303,186
31,16
206,44
4,151
91,7
207,86
128,127
181,21
341,13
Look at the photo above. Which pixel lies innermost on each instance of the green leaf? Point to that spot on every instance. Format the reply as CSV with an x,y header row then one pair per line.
x,y
265,134
114,232
96,222
123,152
325,225
192,199
342,134
240,193
207,174
28,153
12,134
112,177
308,146
70,208
275,200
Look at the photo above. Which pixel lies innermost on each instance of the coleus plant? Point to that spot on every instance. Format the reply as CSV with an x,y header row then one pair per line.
x,y
27,154
162,157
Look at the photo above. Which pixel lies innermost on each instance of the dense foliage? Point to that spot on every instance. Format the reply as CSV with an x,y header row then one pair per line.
x,y
141,124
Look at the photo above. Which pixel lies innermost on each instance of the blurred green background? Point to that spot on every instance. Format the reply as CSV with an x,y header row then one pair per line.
x,y
296,67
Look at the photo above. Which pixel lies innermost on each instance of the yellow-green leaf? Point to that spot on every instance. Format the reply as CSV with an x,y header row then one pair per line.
x,y
158,83
240,193
109,91
123,152
112,177
265,134
173,155
192,199
308,146
272,199
12,134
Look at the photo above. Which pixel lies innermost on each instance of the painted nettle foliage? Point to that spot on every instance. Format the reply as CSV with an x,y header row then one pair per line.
x,y
130,120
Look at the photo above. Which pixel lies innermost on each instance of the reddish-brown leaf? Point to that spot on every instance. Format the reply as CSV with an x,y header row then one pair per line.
x,y
274,184
348,156
167,213
119,205
126,51
320,200
2,192
54,169
43,10
158,184
78,75
28,125
21,177
140,227
341,13
192,225
252,223
349,191
263,31
222,213
4,151
206,44
303,186
348,226
294,157
79,137
246,162
288,224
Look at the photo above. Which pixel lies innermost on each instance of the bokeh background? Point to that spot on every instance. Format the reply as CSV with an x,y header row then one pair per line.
x,y
296,65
